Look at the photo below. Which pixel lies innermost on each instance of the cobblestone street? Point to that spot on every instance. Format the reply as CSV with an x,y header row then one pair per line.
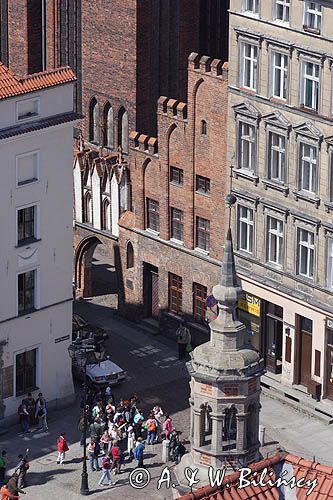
x,y
157,376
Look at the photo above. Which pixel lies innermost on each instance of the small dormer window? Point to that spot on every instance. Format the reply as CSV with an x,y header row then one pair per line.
x,y
27,108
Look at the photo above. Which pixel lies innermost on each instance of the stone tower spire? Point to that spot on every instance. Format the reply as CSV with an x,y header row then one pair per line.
x,y
225,387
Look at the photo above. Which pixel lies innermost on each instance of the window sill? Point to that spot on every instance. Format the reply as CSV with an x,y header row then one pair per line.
x,y
178,242
311,111
268,183
27,242
201,250
203,193
246,174
313,31
301,195
281,100
274,266
152,231
26,312
305,279
249,90
244,253
28,181
177,184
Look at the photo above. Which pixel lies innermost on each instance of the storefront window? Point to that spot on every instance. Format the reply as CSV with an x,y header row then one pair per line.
x,y
252,325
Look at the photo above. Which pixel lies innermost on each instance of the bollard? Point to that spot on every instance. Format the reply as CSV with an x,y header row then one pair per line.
x,y
262,430
165,450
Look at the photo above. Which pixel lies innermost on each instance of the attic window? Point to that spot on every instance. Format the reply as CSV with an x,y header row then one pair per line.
x,y
28,108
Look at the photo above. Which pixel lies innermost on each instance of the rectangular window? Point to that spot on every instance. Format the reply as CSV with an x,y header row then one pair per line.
x,y
308,168
27,168
282,10
175,293
202,236
245,229
26,292
202,184
177,224
199,301
330,263
28,108
331,176
305,253
176,176
279,75
252,6
310,87
153,216
249,61
247,145
275,241
26,372
26,225
277,157
312,16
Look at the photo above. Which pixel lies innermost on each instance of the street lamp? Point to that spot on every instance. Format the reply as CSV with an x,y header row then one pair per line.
x,y
79,350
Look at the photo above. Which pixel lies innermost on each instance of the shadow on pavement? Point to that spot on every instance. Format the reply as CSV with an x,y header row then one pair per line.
x,y
38,478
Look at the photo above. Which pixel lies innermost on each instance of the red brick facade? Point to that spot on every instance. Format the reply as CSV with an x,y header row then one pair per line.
x,y
181,144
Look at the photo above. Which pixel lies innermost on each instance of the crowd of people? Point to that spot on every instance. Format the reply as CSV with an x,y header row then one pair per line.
x,y
117,433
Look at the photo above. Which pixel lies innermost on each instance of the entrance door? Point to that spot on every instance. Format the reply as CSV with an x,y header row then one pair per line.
x,y
150,290
305,350
274,329
329,384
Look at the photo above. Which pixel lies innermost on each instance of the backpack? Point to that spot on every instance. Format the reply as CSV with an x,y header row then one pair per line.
x,y
151,426
106,463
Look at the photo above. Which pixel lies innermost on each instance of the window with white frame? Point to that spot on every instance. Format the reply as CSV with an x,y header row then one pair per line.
x,y
247,146
245,229
310,85
276,157
27,292
275,241
279,75
26,225
251,6
282,10
27,108
305,253
312,16
330,263
249,66
308,168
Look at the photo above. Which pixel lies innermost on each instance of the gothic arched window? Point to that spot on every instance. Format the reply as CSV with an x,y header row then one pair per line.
x,y
106,215
108,140
203,127
87,208
129,255
230,426
94,121
123,129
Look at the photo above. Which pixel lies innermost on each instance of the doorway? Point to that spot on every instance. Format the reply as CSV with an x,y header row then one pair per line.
x,y
304,350
273,338
150,290
329,384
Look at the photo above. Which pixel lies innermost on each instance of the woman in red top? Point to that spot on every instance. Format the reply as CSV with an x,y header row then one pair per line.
x,y
62,448
6,494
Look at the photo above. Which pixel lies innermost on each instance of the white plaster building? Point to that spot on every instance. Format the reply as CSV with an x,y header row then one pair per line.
x,y
36,151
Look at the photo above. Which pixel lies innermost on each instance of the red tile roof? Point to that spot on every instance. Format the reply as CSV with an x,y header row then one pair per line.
x,y
12,85
229,490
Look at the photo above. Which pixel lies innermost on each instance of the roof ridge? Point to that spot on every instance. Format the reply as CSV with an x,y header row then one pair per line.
x,y
44,73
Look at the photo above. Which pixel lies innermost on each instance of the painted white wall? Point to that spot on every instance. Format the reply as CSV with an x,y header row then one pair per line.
x,y
77,192
51,255
96,199
114,206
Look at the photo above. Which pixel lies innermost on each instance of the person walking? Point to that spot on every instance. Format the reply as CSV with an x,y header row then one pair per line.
x,y
62,448
23,417
6,494
183,339
3,466
138,452
167,426
30,404
93,450
104,442
22,469
13,487
106,467
96,430
41,412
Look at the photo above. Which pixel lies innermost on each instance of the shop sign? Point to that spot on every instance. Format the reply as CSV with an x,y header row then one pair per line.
x,y
329,323
250,303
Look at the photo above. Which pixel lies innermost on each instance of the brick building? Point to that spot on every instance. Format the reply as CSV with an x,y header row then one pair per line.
x,y
171,242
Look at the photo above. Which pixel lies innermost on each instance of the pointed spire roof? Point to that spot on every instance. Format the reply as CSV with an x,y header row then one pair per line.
x,y
228,290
